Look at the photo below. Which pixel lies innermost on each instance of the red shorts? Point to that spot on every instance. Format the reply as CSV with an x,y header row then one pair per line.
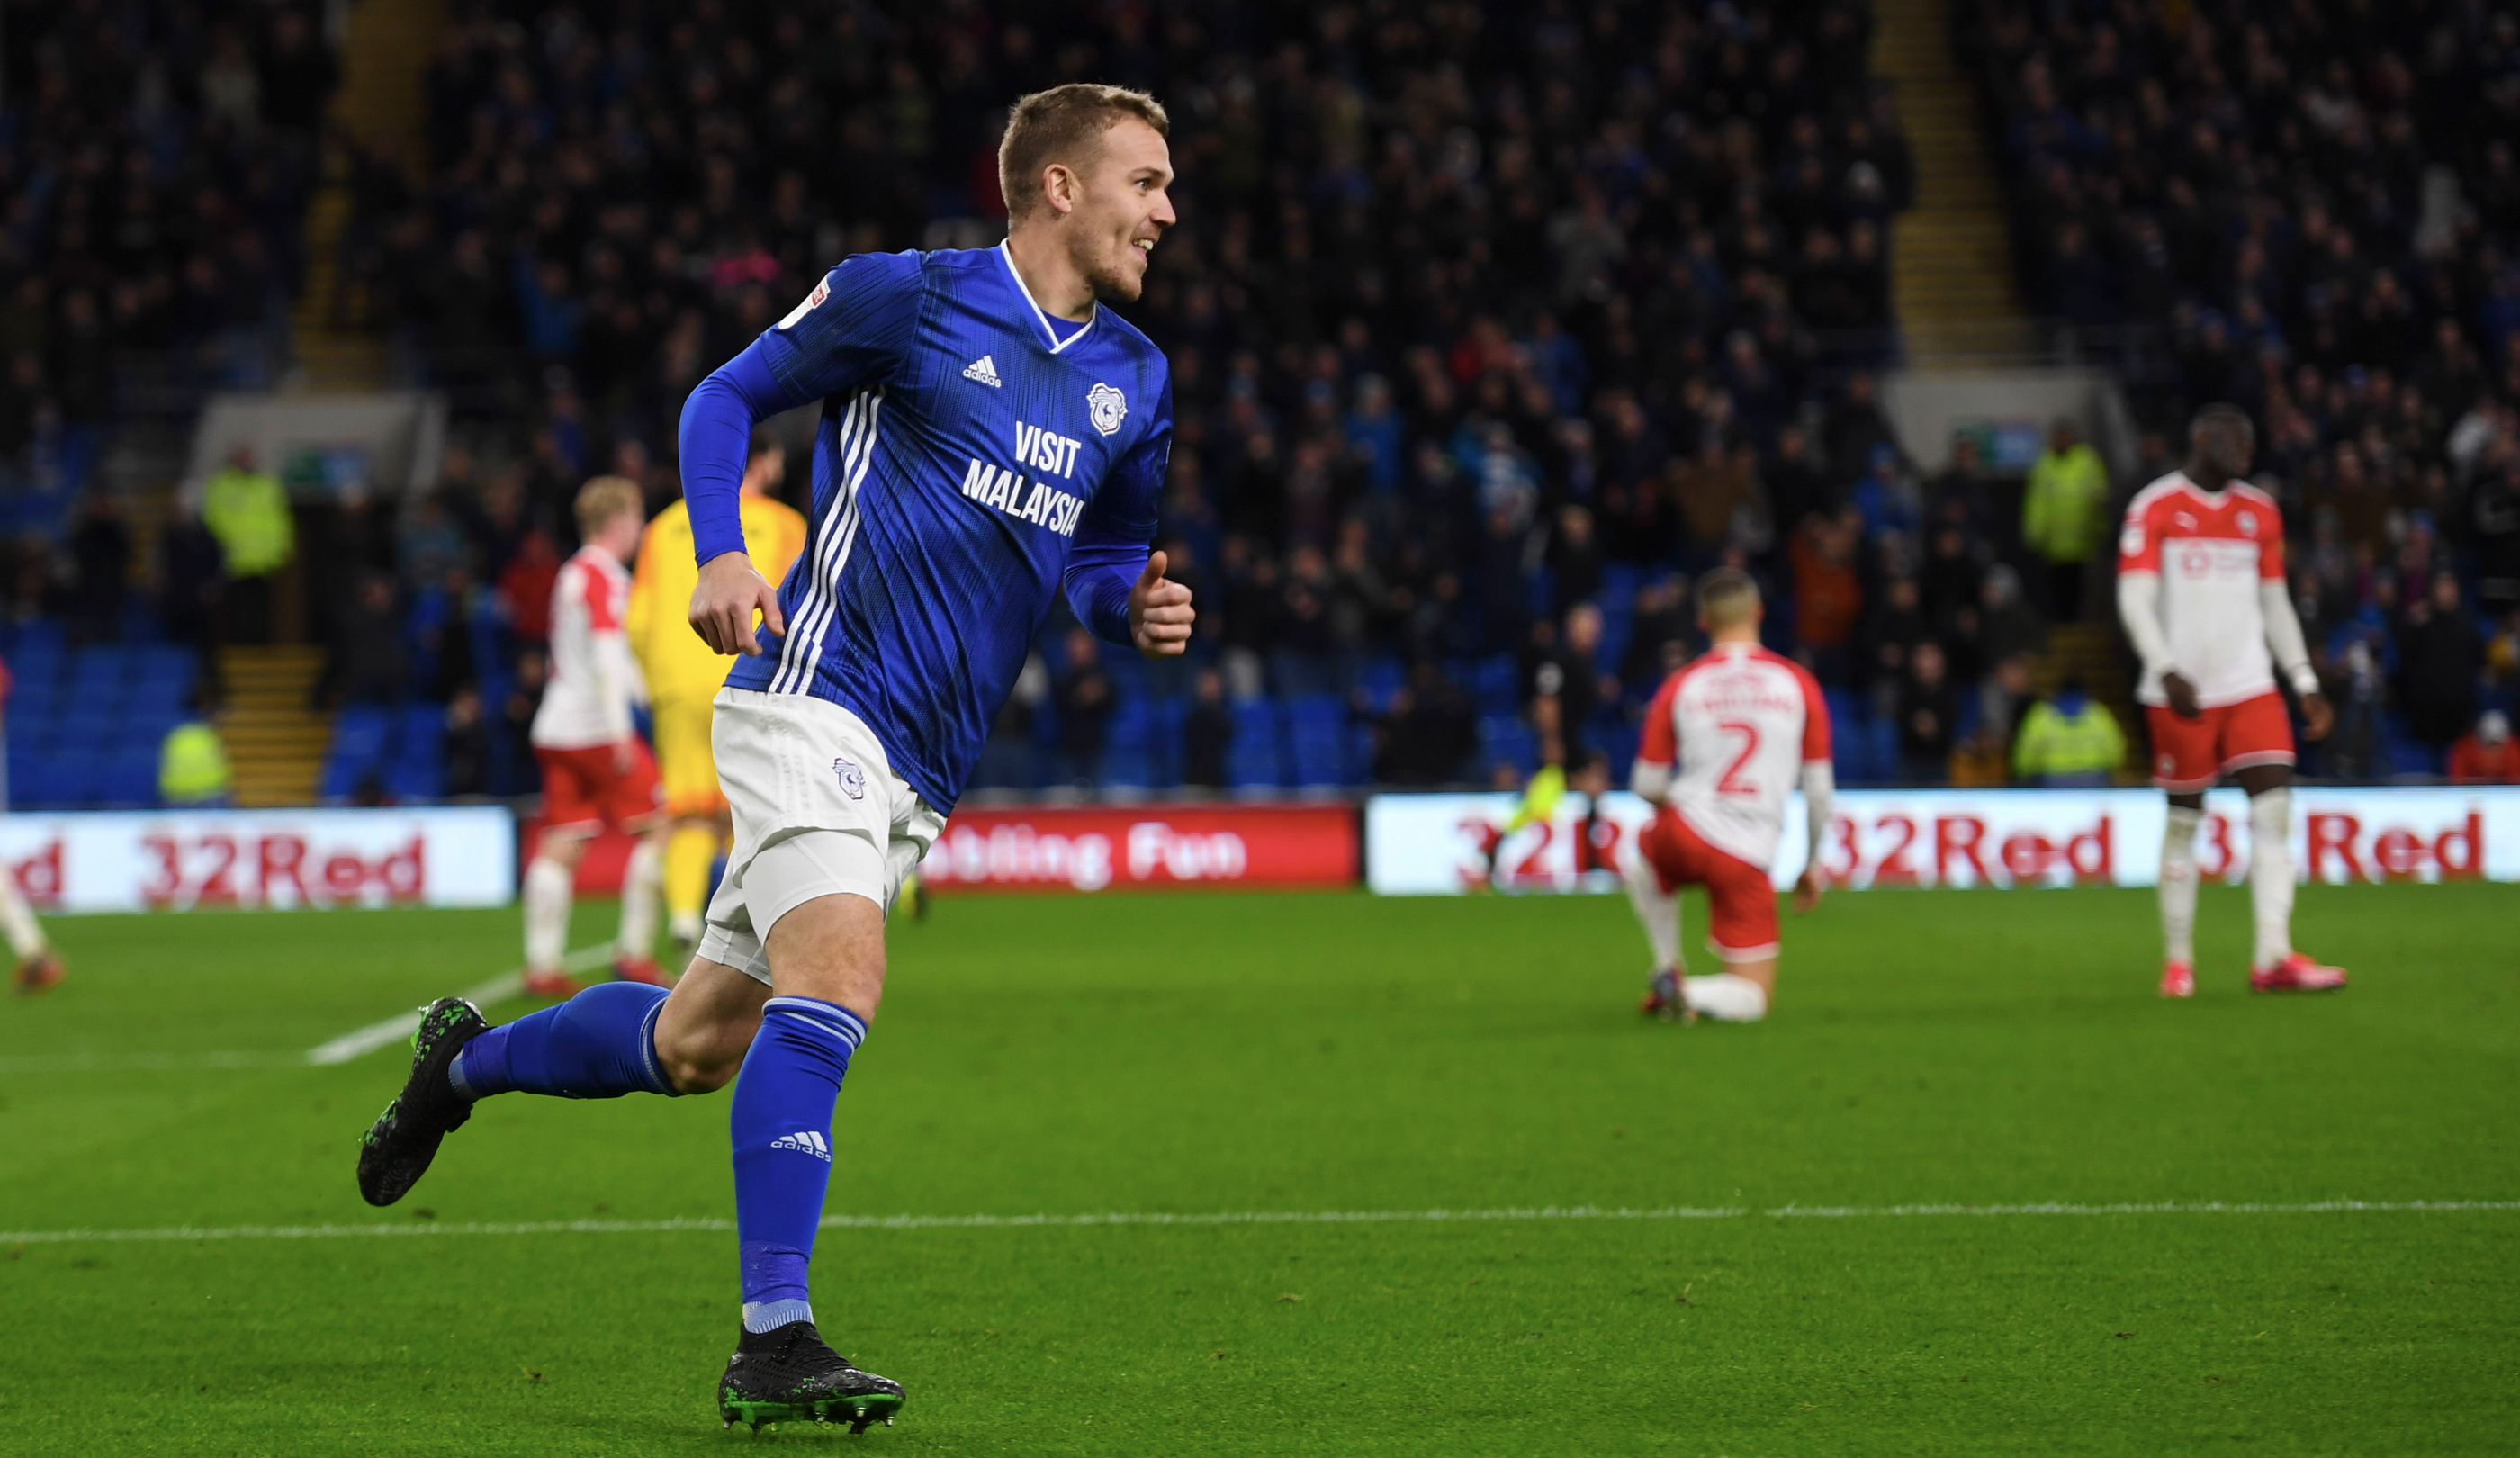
x,y
2190,754
1742,926
582,791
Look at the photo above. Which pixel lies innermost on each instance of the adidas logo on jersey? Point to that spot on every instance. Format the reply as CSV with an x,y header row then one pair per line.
x,y
985,370
804,1142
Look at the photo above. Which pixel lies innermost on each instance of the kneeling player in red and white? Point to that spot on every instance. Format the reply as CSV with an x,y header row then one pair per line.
x,y
2201,591
1739,724
597,772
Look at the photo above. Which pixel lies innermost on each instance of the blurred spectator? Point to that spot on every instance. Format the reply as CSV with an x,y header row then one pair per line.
x,y
369,664
1207,732
1427,735
2064,515
1085,698
1929,716
2439,655
193,771
2068,739
101,556
191,578
247,511
468,743
1829,597
2487,756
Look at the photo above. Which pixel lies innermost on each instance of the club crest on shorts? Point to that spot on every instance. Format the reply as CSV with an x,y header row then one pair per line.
x,y
852,778
1107,406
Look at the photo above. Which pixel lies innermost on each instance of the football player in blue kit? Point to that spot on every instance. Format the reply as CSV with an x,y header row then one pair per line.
x,y
991,436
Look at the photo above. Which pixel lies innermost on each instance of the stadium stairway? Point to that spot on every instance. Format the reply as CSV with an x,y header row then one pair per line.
x,y
276,739
384,104
1950,255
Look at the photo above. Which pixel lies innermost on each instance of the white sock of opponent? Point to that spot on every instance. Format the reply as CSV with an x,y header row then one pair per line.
x,y
2178,885
1658,910
643,881
1726,997
25,938
2271,874
548,888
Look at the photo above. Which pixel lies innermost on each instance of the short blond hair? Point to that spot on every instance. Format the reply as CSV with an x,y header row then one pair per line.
x,y
1725,597
601,499
1064,124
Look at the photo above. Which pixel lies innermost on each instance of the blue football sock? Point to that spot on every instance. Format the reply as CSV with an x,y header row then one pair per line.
x,y
783,1149
600,1044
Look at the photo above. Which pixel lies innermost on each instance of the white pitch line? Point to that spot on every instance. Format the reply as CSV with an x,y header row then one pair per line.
x,y
347,1046
397,1027
1253,1217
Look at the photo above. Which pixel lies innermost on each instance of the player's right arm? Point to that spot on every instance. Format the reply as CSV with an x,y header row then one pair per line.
x,y
850,332
2140,606
1657,747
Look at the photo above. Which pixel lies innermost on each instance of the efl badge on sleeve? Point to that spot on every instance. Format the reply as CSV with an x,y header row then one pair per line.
x,y
1108,407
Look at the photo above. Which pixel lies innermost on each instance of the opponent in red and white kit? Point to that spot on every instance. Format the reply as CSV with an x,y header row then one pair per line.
x,y
597,772
1725,740
2201,589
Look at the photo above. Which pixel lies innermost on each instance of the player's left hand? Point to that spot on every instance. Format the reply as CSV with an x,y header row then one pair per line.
x,y
2317,718
1159,612
1807,890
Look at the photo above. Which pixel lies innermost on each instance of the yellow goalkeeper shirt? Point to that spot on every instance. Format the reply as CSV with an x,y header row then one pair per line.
x,y
676,663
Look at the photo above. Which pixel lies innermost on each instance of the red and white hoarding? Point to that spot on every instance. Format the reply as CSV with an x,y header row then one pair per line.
x,y
143,861
1101,847
1419,844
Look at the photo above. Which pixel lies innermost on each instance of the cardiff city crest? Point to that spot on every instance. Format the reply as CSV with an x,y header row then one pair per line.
x,y
1108,407
852,779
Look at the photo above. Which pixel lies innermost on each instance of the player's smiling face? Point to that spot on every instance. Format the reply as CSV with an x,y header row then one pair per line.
x,y
1121,209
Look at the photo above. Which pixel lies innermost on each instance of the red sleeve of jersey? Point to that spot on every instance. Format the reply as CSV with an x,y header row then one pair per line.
x,y
2270,544
602,614
2139,540
1815,717
1660,743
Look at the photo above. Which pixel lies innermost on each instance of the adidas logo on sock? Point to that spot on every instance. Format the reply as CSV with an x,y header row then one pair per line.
x,y
985,370
804,1142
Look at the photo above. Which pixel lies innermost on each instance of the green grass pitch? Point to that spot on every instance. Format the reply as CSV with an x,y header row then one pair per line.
x,y
1327,1053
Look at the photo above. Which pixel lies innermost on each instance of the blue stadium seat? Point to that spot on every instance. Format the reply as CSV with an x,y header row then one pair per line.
x,y
1382,679
1621,581
1316,739
362,740
87,730
1886,764
127,777
1496,686
417,769
97,676
1506,740
164,673
1251,760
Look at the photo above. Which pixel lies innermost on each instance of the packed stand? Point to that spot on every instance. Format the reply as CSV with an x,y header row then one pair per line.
x,y
2313,211
1489,326
156,160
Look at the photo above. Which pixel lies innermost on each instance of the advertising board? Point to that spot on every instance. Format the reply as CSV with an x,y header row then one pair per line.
x,y
145,861
1101,847
1441,844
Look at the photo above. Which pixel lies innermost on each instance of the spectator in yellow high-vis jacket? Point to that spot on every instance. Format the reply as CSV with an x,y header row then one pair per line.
x,y
684,674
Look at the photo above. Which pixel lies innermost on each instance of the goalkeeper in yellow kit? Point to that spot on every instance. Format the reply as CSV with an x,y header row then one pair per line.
x,y
684,674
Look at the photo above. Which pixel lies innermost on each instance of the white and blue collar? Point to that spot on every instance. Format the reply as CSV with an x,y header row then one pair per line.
x,y
1049,331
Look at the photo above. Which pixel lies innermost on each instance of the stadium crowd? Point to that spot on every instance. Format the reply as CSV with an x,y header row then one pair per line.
x,y
2311,210
156,160
1491,325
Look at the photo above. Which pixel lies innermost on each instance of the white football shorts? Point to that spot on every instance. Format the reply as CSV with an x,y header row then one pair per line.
x,y
818,810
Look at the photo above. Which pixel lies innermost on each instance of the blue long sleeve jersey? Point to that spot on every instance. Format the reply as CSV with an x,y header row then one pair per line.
x,y
972,459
